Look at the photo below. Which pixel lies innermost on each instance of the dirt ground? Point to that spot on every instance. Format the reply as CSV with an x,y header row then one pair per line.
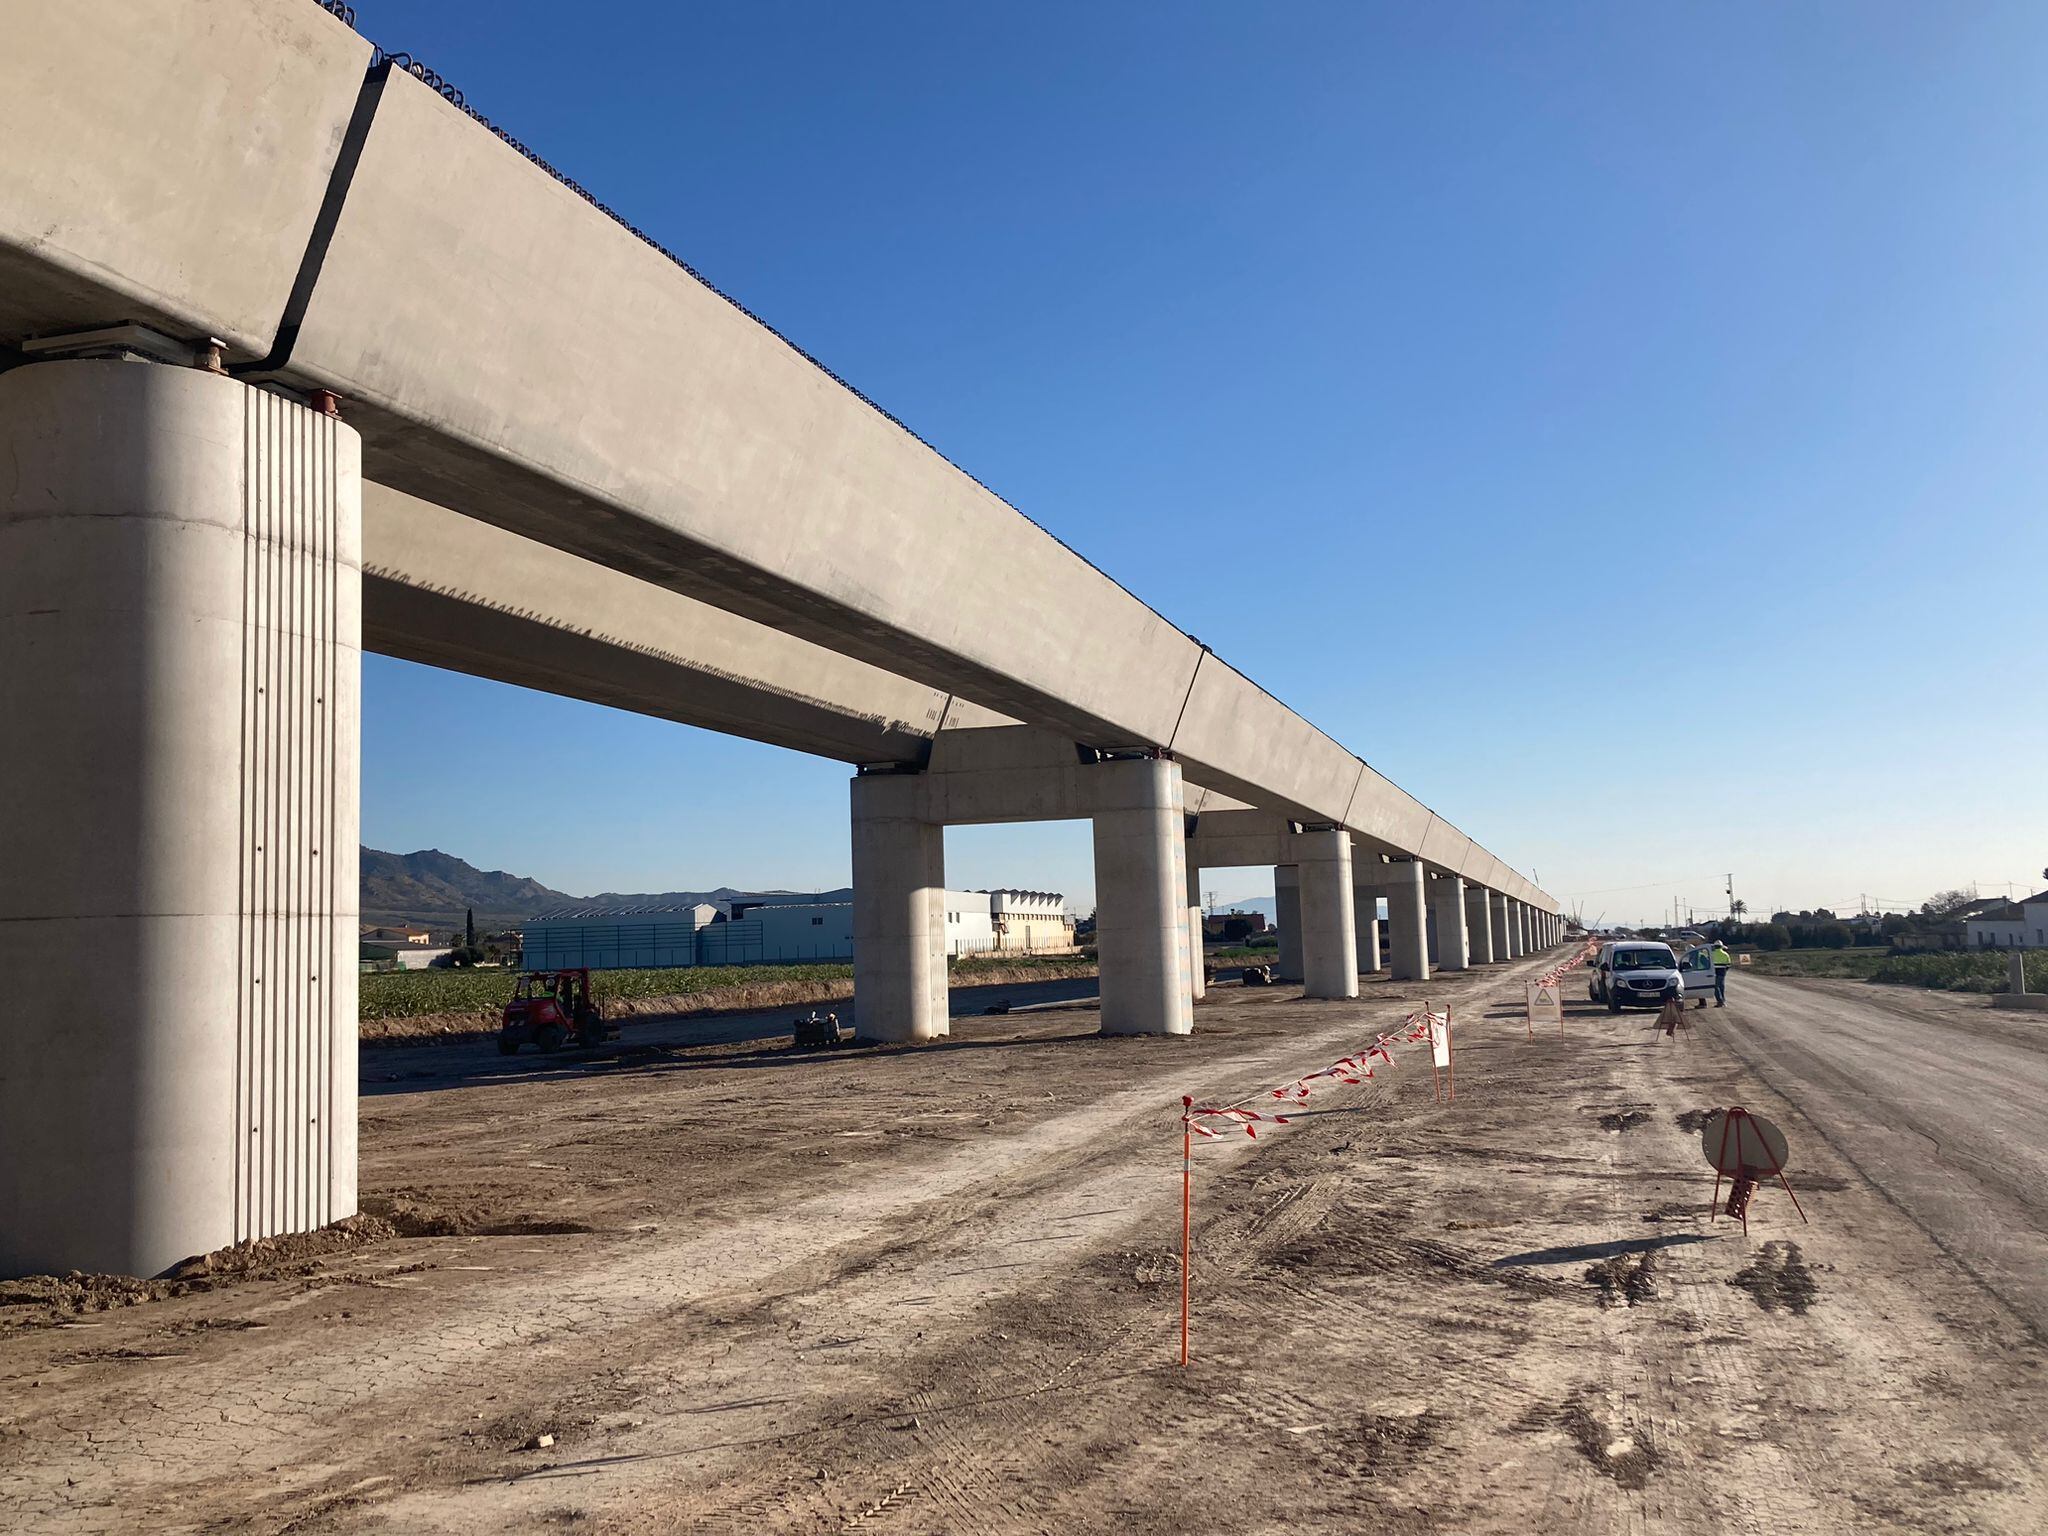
x,y
733,1288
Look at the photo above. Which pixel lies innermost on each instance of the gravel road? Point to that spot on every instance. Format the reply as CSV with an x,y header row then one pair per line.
x,y
1938,1101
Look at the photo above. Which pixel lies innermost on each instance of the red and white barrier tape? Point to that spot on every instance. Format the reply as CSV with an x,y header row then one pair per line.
x,y
1350,1071
1557,972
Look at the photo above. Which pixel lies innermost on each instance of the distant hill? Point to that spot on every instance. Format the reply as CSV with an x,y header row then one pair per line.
x,y
435,889
1260,904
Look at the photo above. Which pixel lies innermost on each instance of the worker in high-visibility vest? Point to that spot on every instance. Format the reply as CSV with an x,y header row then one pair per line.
x,y
1722,960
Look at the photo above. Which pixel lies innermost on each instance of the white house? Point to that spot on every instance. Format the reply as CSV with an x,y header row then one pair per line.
x,y
2016,925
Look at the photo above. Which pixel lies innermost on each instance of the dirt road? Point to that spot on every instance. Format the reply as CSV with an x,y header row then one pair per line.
x,y
1937,1100
732,1288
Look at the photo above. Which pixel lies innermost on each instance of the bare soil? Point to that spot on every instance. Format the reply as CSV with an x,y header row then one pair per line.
x,y
737,1288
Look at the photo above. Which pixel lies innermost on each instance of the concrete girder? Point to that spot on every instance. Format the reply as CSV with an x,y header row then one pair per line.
x,y
126,193
452,592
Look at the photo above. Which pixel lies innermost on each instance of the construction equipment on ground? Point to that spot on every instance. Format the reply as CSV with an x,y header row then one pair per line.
x,y
816,1029
550,1009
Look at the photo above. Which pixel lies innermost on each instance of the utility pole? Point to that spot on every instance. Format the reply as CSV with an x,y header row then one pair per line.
x,y
1209,902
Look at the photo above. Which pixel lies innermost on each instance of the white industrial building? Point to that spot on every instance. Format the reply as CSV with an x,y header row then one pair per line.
x,y
603,938
1030,922
786,931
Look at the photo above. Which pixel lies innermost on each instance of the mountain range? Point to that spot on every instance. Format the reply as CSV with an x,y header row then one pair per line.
x,y
433,889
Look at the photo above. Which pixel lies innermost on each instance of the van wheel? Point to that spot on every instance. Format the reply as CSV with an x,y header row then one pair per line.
x,y
1613,1003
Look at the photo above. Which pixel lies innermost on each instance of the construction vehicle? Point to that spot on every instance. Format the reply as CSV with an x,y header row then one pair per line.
x,y
816,1029
550,1009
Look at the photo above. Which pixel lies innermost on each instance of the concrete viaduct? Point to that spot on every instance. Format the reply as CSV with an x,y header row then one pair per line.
x,y
299,356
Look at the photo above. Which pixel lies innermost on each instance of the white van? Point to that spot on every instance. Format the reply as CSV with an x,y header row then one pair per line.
x,y
1634,973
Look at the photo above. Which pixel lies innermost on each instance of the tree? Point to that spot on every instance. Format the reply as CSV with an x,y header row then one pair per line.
x,y
469,928
1737,908
1947,903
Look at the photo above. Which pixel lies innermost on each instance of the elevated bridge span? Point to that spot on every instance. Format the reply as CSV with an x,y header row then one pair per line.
x,y
299,357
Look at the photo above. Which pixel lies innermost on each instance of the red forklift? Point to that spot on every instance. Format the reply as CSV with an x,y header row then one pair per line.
x,y
550,1009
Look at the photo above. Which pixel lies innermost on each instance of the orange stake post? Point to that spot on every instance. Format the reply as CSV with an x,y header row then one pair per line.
x,y
1450,1054
1187,1188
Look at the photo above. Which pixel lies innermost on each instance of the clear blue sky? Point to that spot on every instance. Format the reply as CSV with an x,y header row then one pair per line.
x,y
1623,424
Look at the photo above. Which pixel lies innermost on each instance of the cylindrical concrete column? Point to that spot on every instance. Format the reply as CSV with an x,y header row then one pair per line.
x,y
1518,930
1479,924
1287,913
1407,919
1198,970
1453,946
1141,930
1503,943
899,919
1365,904
180,675
1329,931
1528,928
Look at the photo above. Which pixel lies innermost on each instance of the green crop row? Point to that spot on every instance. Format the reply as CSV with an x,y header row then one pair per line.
x,y
410,994
1970,971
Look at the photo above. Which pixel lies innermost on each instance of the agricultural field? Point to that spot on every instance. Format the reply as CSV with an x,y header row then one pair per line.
x,y
1855,964
1973,971
389,997
1955,971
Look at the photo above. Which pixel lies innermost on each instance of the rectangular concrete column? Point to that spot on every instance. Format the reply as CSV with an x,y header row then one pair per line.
x,y
899,913
1198,977
180,678
1497,909
1479,923
1365,903
1407,921
1528,927
1518,929
1141,929
1287,913
1329,924
1453,945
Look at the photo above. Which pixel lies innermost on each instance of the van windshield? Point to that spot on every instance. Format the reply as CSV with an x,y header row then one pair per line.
x,y
1643,960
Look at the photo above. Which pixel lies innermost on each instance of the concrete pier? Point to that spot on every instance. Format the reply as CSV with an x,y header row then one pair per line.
x,y
1407,920
1141,931
899,918
1329,925
1198,978
1011,774
1365,902
180,679
1479,923
1287,913
1497,907
1453,945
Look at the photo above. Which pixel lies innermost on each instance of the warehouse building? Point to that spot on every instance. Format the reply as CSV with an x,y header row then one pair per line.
x,y
601,938
787,930
1030,923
